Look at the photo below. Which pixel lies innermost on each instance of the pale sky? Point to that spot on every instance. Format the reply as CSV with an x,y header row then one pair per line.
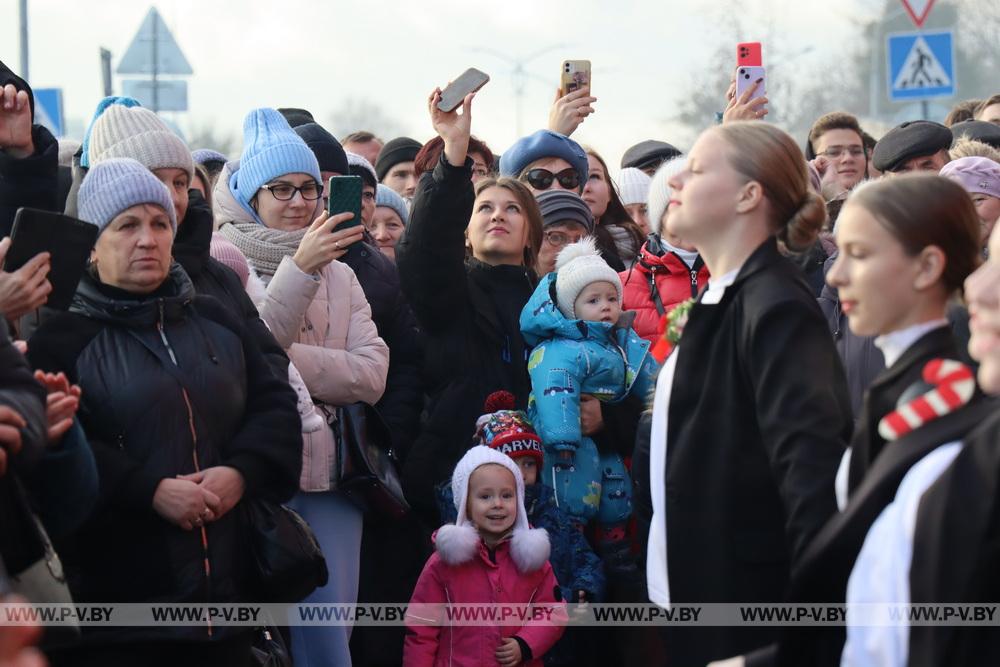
x,y
247,53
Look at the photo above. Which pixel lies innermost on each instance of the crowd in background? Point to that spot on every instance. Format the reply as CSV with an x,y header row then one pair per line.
x,y
758,369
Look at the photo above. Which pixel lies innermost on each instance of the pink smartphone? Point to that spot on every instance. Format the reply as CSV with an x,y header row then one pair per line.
x,y
748,54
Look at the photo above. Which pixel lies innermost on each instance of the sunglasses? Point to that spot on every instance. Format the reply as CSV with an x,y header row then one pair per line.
x,y
541,179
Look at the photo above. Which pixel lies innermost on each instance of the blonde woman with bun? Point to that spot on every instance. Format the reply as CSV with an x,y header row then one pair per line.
x,y
750,415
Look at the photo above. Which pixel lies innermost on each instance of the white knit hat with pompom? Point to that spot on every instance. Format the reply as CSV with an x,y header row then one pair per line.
x,y
578,265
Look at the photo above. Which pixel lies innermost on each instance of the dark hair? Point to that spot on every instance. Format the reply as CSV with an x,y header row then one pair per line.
x,y
362,137
993,99
922,210
430,153
528,205
837,120
964,110
763,153
207,182
615,214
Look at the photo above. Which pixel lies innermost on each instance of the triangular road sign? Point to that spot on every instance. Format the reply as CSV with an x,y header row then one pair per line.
x,y
921,69
154,36
918,10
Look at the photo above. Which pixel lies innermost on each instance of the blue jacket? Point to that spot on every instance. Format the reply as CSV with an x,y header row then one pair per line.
x,y
574,357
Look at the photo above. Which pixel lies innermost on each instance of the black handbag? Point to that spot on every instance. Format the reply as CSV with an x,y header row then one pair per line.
x,y
367,471
288,562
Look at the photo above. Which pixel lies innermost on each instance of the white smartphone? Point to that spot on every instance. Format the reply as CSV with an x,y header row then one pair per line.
x,y
746,79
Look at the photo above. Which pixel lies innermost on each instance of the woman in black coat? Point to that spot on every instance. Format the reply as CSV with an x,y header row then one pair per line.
x,y
751,413
937,541
468,309
906,246
185,419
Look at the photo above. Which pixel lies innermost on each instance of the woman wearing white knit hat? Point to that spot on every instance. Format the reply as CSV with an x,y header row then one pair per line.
x,y
633,186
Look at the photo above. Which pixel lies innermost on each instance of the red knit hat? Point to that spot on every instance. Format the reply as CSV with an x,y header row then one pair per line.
x,y
508,430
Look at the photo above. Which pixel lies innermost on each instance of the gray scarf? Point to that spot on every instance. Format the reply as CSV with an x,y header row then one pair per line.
x,y
264,247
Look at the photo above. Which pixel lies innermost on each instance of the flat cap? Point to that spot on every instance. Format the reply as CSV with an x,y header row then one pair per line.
x,y
646,153
911,139
978,130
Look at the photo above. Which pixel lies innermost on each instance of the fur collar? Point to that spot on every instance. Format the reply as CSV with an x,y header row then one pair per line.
x,y
460,544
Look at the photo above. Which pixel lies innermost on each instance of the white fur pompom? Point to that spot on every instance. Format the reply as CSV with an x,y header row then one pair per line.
x,y
585,247
456,544
529,549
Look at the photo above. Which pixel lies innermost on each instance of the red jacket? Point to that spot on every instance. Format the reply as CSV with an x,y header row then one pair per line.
x,y
461,572
674,284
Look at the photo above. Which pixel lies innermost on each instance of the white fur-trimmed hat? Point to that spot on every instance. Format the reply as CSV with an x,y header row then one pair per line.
x,y
457,543
578,265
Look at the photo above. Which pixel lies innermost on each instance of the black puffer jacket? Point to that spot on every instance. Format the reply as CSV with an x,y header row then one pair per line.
x,y
172,383
469,314
213,278
403,399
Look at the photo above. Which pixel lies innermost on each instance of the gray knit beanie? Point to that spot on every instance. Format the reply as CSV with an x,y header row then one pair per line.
x,y
115,185
388,198
138,133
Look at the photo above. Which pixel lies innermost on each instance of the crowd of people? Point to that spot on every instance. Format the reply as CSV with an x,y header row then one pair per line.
x,y
759,370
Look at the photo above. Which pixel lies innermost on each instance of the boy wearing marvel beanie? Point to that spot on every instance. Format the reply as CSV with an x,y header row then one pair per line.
x,y
583,347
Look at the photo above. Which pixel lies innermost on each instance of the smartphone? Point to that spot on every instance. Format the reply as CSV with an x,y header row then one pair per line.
x,y
470,81
574,76
746,78
343,195
68,241
748,54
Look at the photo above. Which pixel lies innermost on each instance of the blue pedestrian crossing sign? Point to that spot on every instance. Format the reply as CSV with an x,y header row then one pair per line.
x,y
49,110
921,65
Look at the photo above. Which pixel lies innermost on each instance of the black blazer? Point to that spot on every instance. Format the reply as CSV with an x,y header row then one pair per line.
x,y
822,573
956,548
758,420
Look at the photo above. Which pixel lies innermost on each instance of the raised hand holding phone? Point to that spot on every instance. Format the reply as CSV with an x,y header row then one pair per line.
x,y
742,103
453,127
323,244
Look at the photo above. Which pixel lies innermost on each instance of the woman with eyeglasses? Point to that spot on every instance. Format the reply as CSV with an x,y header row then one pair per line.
x,y
566,219
468,310
271,205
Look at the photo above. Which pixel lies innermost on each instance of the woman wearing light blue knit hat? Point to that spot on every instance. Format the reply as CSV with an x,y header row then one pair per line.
x,y
389,221
270,207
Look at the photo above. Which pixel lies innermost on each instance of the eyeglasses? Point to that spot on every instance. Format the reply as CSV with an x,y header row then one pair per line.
x,y
541,179
310,191
836,151
560,239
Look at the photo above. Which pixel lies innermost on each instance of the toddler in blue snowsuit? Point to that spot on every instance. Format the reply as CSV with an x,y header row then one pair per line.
x,y
583,345
577,568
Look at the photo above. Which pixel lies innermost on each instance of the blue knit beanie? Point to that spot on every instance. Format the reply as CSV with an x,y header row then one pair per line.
x,y
270,149
117,184
203,155
386,196
102,106
543,144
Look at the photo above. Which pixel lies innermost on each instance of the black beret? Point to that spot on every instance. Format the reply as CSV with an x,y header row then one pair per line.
x,y
978,130
649,153
914,138
328,151
296,117
400,149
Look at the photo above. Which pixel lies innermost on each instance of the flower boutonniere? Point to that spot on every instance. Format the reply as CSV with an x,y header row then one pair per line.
x,y
672,326
677,320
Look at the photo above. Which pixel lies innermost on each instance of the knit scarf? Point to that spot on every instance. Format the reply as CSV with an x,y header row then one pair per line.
x,y
264,247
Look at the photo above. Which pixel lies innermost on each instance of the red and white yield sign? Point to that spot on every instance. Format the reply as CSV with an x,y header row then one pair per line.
x,y
918,10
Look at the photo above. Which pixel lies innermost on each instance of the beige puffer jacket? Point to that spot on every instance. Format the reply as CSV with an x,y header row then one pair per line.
x,y
325,324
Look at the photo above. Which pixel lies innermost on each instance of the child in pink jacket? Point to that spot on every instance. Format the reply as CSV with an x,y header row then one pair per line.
x,y
489,556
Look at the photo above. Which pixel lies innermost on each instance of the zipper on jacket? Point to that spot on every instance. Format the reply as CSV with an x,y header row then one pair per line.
x,y
694,282
194,455
163,336
204,532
